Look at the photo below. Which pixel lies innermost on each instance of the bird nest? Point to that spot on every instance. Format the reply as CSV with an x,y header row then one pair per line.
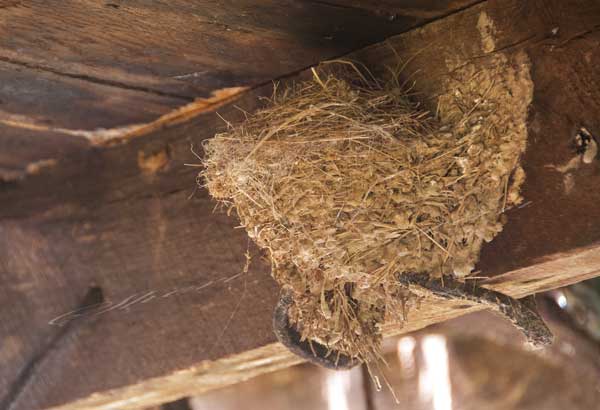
x,y
348,183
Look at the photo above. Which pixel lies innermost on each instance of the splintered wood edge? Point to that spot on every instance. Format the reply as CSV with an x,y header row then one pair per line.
x,y
119,135
551,272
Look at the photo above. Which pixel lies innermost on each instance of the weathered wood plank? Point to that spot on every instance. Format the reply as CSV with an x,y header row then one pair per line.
x,y
214,374
18,159
427,9
119,218
178,46
40,100
102,64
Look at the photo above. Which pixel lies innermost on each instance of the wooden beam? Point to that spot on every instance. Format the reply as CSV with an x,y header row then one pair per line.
x,y
209,375
90,64
119,218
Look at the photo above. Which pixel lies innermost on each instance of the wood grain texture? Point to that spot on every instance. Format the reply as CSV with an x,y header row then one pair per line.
x,y
210,375
101,64
30,98
119,218
393,9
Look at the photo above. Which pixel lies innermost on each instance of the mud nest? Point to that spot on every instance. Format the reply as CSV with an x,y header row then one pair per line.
x,y
348,183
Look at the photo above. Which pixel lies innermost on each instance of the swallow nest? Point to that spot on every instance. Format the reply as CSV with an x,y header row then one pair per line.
x,y
348,183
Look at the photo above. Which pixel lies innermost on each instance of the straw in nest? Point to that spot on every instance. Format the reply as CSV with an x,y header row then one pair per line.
x,y
348,184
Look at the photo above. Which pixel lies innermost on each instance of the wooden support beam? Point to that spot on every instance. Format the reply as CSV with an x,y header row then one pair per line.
x,y
84,65
213,374
188,319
